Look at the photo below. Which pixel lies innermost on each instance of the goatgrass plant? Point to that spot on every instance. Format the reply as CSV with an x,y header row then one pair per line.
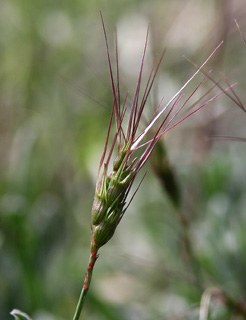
x,y
130,148
113,187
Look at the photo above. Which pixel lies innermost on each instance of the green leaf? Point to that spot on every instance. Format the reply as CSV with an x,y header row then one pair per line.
x,y
19,315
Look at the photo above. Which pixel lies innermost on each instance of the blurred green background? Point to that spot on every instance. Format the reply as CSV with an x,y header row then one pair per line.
x,y
55,104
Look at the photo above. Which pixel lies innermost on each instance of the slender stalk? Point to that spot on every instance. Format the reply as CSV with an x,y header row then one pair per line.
x,y
166,175
87,281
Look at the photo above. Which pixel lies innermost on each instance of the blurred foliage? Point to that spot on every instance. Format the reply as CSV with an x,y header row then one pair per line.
x,y
55,105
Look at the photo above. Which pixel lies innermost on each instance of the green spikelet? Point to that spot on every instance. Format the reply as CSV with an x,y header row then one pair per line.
x,y
109,201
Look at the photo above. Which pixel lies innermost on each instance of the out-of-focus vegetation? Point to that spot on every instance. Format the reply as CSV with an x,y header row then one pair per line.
x,y
55,104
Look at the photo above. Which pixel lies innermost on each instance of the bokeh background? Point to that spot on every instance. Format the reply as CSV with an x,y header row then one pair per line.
x,y
55,104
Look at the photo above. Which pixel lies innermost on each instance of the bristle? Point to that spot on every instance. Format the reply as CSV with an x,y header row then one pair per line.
x,y
148,88
117,68
236,100
136,96
106,143
115,101
241,34
134,106
228,138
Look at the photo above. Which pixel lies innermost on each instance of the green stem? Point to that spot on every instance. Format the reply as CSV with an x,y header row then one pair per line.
x,y
87,281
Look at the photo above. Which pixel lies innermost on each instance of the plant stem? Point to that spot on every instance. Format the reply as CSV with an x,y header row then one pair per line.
x,y
166,175
87,281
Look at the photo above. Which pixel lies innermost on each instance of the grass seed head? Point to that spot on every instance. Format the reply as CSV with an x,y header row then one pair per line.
x,y
113,188
109,200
